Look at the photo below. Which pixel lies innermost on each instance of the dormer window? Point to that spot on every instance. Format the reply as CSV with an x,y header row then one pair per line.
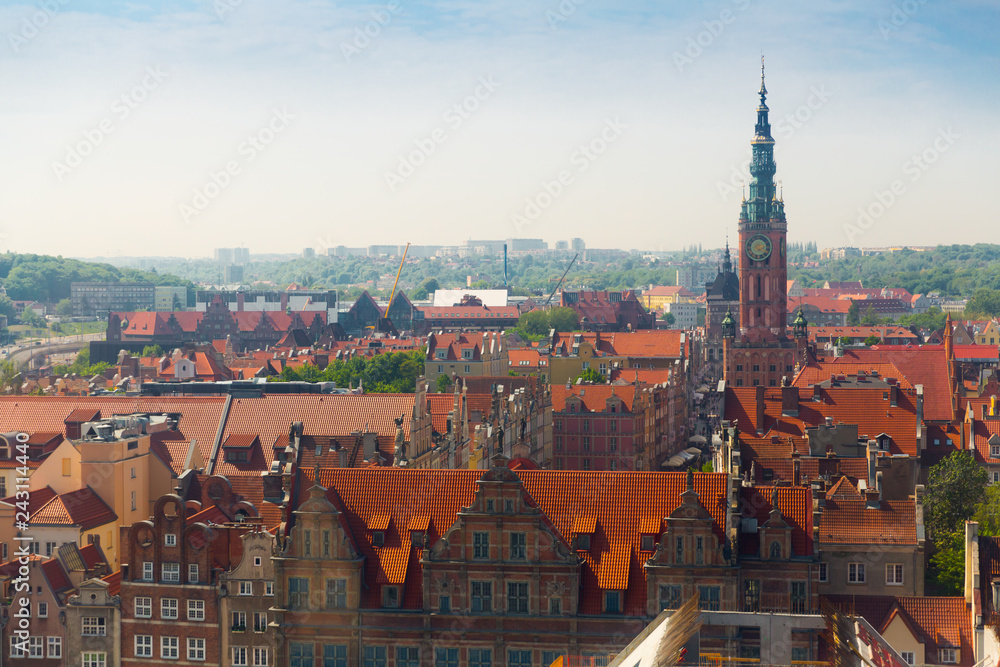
x,y
466,354
775,551
390,597
583,542
378,538
416,538
440,354
647,543
612,602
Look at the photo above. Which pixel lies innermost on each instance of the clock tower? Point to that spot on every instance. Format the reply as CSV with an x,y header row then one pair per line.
x,y
762,229
758,351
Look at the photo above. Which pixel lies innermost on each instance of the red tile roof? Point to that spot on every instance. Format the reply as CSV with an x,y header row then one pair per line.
x,y
795,505
847,520
114,582
36,499
593,396
82,508
56,576
621,504
938,622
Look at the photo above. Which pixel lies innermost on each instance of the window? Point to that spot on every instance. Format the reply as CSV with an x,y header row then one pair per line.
x,y
894,574
378,538
482,596
949,656
260,621
147,571
995,451
586,443
444,604
239,621
612,602
647,543
775,551
43,610
260,657
49,548
298,593
144,646
583,542
326,548
336,593
335,655
269,588
708,598
196,648
239,656
555,606
17,649
613,444
799,602
909,657
144,607
374,656
94,626
246,588
170,572
446,657
390,597
586,464
482,657
36,647
517,597
855,573
670,596
518,658
586,425
170,540
679,550
517,546
95,659
407,656
54,647
193,573
699,550
168,608
823,573
300,654
196,610
751,595
468,368
169,648
307,543
481,545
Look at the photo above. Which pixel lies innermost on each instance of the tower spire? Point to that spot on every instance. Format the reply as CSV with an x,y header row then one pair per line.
x,y
763,91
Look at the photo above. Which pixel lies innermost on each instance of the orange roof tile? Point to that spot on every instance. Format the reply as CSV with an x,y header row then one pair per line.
x,y
593,396
82,508
585,525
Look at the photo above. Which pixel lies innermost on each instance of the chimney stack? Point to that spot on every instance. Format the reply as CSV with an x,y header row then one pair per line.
x,y
789,401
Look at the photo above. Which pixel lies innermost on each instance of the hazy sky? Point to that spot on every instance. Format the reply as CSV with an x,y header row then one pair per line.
x,y
170,128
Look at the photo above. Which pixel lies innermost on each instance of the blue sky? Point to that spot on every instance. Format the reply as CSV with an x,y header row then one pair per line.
x,y
171,128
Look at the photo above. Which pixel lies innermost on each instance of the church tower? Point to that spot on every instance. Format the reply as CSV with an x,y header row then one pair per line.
x,y
757,348
762,229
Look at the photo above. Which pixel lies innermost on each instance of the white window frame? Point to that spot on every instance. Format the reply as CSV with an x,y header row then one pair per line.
x,y
147,571
193,573
909,657
170,540
894,574
196,610
949,656
239,654
246,588
146,605
170,572
36,646
260,656
53,646
196,648
269,588
98,626
856,573
169,609
170,648
142,646
43,610
94,659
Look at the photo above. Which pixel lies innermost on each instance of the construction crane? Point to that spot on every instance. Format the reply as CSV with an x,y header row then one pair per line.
x,y
561,279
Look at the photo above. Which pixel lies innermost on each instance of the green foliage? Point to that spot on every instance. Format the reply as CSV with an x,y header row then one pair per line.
x,y
590,375
442,383
46,278
946,573
669,318
853,314
955,487
81,366
64,308
984,301
871,318
10,377
31,318
844,341
988,512
872,340
536,324
425,288
933,319
152,351
708,467
393,372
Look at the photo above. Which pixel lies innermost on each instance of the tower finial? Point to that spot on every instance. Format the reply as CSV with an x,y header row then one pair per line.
x,y
763,90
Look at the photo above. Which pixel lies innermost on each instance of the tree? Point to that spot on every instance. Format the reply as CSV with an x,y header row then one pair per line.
x,y
563,319
844,341
954,489
988,512
424,289
442,383
871,318
64,308
872,340
985,301
669,319
533,324
853,314
10,377
590,375
152,351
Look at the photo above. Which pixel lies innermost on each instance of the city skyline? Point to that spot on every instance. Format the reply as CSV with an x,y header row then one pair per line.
x,y
142,131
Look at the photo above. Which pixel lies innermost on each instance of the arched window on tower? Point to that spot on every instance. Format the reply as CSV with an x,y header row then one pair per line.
x,y
759,290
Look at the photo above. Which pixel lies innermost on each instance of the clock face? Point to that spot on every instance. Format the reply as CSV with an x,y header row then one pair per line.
x,y
758,247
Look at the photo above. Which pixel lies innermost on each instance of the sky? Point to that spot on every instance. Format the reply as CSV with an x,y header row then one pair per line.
x,y
172,128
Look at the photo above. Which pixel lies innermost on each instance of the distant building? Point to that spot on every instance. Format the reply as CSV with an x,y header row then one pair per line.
x,y
233,273
465,355
170,297
685,315
308,253
694,276
94,299
562,245
608,311
577,245
227,256
272,300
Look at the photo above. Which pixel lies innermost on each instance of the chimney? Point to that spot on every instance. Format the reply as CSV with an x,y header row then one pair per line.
x,y
829,422
789,401
760,408
893,395
796,469
817,393
872,498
